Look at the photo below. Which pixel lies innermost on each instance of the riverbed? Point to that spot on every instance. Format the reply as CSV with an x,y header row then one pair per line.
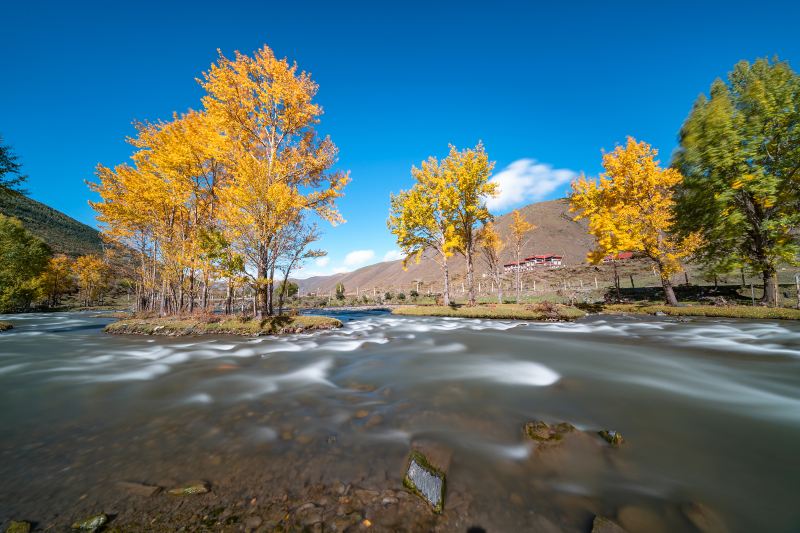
x,y
710,412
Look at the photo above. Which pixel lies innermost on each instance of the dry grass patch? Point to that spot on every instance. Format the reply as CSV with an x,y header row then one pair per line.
x,y
180,326
721,311
541,311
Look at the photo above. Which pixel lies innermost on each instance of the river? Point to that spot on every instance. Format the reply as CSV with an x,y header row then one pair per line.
x,y
710,410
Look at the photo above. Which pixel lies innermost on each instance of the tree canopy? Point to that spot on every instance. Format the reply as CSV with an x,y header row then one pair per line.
x,y
740,153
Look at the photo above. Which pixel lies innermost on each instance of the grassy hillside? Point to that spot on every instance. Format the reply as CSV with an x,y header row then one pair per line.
x,y
62,233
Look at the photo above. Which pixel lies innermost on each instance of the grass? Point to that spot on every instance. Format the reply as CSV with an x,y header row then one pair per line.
x,y
723,311
181,326
5,326
542,311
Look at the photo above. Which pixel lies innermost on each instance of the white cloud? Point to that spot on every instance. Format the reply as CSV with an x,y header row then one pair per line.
x,y
526,181
358,257
393,255
322,261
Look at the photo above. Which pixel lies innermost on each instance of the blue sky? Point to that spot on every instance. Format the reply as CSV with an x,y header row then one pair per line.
x,y
546,86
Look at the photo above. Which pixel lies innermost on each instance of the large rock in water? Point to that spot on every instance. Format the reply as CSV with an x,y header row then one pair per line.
x,y
544,433
425,472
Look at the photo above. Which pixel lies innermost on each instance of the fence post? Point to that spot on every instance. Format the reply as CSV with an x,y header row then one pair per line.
x,y
595,283
632,285
753,294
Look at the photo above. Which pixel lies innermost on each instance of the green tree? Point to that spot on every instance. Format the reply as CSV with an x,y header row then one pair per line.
x,y
23,257
288,288
740,155
11,177
340,291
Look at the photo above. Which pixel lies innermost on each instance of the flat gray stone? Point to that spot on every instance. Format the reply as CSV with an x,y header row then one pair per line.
x,y
427,483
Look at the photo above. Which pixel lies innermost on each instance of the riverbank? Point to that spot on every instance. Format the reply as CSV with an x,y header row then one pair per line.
x,y
541,311
718,311
193,326
5,326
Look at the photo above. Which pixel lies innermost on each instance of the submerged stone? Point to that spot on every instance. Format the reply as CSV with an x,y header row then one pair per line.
x,y
18,526
704,518
188,490
93,523
139,489
543,432
612,437
601,524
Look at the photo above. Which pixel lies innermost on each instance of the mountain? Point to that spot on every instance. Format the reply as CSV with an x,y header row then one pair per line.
x,y
555,233
62,233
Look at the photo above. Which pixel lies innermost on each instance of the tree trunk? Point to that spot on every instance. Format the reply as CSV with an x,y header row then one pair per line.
x,y
446,272
616,280
770,297
470,277
669,293
229,298
499,289
191,291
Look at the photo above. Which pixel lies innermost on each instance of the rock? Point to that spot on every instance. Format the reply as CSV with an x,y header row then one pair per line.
x,y
660,313
544,433
612,437
601,524
252,523
704,518
362,413
93,523
18,526
139,489
200,487
635,519
343,522
425,480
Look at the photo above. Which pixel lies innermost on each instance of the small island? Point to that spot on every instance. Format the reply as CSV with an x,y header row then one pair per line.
x,y
5,326
177,326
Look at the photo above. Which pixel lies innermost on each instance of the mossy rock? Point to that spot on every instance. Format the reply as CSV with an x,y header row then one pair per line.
x,y
543,432
425,480
5,326
614,438
91,524
18,526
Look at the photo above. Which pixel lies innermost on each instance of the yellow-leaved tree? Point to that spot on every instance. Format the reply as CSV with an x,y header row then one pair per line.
x,y
424,218
490,245
630,207
467,172
279,167
519,231
93,276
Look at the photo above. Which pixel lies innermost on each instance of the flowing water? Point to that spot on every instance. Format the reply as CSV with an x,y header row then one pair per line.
x,y
710,410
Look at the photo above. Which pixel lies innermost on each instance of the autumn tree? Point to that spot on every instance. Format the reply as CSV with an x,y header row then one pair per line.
x,y
423,218
519,231
92,274
279,166
630,207
57,279
11,176
740,153
490,245
467,172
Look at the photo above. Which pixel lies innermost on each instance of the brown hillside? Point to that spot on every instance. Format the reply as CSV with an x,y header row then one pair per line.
x,y
556,233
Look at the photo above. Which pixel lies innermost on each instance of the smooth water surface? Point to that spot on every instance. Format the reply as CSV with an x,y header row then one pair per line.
x,y
710,410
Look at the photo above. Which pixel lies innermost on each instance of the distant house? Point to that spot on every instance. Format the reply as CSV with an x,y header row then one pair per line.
x,y
529,263
622,256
